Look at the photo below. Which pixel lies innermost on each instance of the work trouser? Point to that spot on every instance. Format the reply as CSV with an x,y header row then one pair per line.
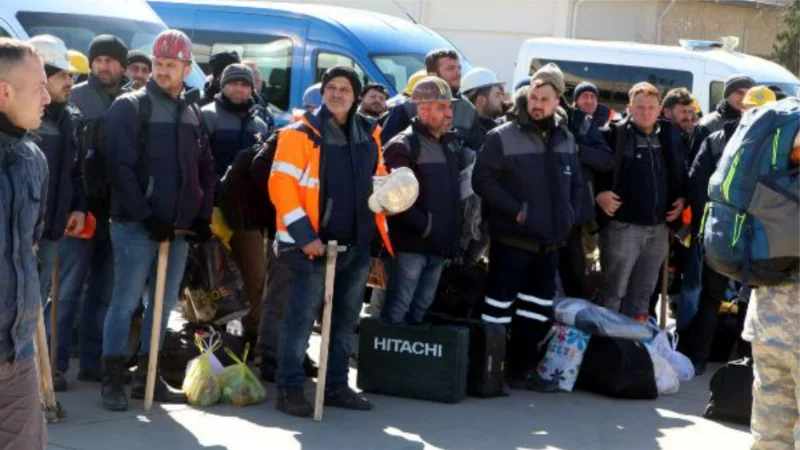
x,y
572,265
278,283
696,340
412,279
519,293
631,257
771,326
247,249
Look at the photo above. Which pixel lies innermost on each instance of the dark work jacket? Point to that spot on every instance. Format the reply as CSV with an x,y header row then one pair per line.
x,y
172,177
244,198
59,143
712,123
231,131
703,167
339,205
647,184
519,171
432,226
23,190
465,122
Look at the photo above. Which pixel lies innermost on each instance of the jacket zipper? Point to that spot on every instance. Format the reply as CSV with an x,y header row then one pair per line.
x,y
655,177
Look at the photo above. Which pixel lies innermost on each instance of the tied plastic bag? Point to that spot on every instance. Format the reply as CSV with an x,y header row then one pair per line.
x,y
215,291
667,381
562,361
202,385
240,386
666,344
593,319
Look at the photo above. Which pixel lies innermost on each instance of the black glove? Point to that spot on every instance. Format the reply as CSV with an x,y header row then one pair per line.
x,y
160,229
201,231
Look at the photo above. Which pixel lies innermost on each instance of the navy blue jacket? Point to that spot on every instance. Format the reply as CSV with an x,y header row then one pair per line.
x,y
172,177
703,167
23,190
231,131
595,157
519,171
466,123
649,185
433,224
60,146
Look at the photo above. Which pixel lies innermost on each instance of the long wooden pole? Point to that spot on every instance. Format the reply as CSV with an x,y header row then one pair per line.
x,y
54,294
330,277
155,334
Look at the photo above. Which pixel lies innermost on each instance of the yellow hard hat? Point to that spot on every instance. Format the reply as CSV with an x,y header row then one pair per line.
x,y
758,96
412,81
79,62
696,106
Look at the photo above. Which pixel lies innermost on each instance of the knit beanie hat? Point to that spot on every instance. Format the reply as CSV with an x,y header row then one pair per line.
x,y
219,61
237,72
737,82
110,46
585,86
136,56
342,71
552,75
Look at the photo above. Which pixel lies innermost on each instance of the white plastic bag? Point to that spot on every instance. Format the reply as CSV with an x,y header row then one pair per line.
x,y
564,356
666,344
666,379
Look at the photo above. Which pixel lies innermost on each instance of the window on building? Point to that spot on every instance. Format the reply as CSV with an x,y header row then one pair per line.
x,y
273,54
614,81
326,60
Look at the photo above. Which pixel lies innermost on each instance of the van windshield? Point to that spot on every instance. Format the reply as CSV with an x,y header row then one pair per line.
x,y
792,89
398,68
77,32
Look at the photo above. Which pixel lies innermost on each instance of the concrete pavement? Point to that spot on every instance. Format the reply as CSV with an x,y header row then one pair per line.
x,y
524,420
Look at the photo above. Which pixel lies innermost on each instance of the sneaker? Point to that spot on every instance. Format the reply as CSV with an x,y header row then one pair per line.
x,y
348,399
531,381
269,369
59,381
295,404
90,375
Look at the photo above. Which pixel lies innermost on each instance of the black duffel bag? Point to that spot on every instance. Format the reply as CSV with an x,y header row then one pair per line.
x,y
732,393
619,368
179,348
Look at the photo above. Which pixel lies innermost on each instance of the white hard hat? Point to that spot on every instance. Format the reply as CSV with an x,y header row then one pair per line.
x,y
394,193
479,77
53,51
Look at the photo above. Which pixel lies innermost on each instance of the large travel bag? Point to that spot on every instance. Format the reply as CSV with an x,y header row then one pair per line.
x,y
423,361
620,368
732,393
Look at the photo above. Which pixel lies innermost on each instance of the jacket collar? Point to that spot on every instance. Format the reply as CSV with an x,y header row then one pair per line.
x,y
418,128
187,96
95,84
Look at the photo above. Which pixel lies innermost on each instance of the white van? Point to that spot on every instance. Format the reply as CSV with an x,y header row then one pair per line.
x,y
701,66
77,22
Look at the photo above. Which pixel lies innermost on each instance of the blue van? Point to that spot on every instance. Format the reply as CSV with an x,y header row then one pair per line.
x,y
293,44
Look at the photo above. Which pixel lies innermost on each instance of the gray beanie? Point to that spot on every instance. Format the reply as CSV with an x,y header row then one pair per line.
x,y
237,72
737,82
552,75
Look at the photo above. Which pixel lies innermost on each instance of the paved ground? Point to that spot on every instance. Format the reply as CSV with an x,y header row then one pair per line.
x,y
525,420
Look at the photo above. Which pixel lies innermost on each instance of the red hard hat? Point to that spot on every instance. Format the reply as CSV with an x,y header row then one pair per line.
x,y
173,44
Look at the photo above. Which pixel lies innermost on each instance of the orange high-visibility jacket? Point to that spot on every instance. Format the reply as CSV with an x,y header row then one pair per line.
x,y
294,183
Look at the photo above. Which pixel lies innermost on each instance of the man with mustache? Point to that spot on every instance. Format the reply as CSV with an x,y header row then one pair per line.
x,y
66,204
140,66
678,108
23,190
90,260
529,175
373,101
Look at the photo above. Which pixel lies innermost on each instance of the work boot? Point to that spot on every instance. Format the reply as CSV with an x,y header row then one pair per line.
x,y
164,393
347,399
269,368
531,381
59,381
113,385
90,375
294,403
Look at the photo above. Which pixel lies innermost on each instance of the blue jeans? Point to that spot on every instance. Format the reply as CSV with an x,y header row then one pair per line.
x,y
411,287
86,276
135,266
302,308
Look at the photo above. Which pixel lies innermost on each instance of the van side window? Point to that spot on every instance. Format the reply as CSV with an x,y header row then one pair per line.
x,y
4,33
326,60
614,81
272,53
715,90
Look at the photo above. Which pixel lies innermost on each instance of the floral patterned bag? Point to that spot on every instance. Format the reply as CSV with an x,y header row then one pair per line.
x,y
564,356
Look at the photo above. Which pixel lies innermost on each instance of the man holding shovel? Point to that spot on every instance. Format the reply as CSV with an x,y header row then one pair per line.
x,y
320,183
162,180
23,194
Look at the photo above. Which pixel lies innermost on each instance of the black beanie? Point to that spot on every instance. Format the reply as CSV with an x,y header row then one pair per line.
x,y
737,82
136,56
343,71
108,45
219,61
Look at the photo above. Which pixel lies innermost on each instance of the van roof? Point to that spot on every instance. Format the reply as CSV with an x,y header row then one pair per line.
x,y
122,9
388,33
735,62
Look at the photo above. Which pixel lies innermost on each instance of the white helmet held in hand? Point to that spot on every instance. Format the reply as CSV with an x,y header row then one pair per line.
x,y
394,193
479,77
53,51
